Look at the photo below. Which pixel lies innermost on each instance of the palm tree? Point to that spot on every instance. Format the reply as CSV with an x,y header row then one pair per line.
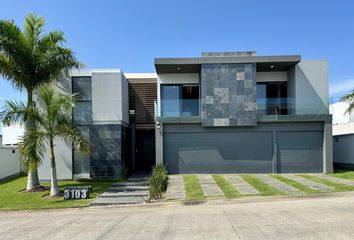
x,y
52,121
30,58
349,98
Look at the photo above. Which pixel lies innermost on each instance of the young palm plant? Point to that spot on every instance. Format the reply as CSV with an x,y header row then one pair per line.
x,y
30,58
52,120
349,98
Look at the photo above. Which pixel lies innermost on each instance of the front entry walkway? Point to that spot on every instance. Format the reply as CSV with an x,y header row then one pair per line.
x,y
134,191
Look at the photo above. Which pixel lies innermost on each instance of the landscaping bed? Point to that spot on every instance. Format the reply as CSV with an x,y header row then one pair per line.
x,y
12,196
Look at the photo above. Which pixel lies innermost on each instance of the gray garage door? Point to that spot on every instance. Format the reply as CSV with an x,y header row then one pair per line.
x,y
300,152
213,151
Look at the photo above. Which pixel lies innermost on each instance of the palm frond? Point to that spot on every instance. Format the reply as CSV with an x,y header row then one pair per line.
x,y
32,146
13,112
33,29
348,98
31,58
71,134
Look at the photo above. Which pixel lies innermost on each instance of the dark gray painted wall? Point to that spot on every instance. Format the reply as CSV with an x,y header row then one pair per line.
x,y
228,95
190,148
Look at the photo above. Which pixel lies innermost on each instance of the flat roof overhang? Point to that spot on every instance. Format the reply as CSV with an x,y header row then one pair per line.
x,y
193,65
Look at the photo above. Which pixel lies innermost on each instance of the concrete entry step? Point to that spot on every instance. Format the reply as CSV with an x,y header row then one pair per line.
x,y
125,194
107,201
128,188
308,183
134,191
138,179
131,183
283,187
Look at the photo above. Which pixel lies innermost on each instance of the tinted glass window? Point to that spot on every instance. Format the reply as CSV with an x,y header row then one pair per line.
x,y
82,86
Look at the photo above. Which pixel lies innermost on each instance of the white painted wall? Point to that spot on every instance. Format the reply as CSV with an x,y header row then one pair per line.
x,y
11,134
9,161
181,78
338,113
272,76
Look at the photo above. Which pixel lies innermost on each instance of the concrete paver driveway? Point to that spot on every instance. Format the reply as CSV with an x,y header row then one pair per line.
x,y
310,218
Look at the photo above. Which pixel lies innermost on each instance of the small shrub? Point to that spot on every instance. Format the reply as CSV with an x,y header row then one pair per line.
x,y
158,181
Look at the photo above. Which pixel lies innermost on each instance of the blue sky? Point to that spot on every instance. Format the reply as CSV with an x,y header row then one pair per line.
x,y
130,34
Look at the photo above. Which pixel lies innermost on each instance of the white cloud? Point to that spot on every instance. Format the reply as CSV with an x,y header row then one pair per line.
x,y
341,87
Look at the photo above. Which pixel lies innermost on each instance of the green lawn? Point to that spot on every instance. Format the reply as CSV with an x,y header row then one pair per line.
x,y
193,189
263,188
226,187
346,174
12,199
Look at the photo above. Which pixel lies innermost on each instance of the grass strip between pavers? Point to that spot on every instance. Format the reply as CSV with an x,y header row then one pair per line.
x,y
263,188
226,187
338,187
295,184
193,188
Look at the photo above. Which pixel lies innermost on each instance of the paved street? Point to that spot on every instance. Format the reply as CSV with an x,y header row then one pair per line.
x,y
310,218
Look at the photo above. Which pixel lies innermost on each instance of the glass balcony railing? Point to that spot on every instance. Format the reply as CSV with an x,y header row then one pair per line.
x,y
177,108
291,106
265,106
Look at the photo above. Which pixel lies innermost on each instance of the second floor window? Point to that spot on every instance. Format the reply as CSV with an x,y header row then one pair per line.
x,y
272,98
179,100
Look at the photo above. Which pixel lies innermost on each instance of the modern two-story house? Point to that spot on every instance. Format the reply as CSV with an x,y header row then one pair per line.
x,y
231,112
236,112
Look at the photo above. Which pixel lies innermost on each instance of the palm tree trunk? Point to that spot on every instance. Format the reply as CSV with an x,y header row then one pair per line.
x,y
54,188
32,175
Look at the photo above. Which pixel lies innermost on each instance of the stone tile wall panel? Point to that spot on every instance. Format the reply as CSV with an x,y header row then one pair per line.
x,y
228,95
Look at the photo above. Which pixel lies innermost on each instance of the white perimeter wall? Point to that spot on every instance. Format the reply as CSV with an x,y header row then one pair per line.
x,y
9,161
